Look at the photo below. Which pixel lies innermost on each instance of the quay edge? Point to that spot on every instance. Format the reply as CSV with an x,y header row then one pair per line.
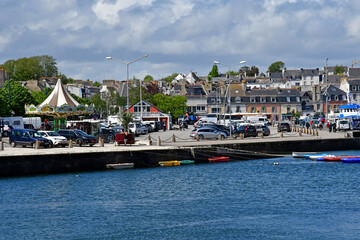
x,y
22,165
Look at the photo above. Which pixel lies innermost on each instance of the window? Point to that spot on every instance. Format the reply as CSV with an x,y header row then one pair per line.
x,y
288,99
353,88
263,109
252,109
273,109
288,108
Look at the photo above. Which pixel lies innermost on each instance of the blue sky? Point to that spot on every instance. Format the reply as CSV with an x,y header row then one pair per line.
x,y
179,36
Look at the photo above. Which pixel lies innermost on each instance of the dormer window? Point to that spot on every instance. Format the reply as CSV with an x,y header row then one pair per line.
x,y
353,88
252,100
273,99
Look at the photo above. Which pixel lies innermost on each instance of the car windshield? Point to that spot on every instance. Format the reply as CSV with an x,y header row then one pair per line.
x,y
35,134
81,133
52,134
343,122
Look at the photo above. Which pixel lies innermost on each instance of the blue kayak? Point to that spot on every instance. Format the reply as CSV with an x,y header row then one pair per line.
x,y
350,160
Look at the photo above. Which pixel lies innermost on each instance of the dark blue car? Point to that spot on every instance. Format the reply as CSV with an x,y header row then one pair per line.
x,y
27,137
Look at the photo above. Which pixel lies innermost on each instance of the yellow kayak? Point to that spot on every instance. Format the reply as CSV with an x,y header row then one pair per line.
x,y
169,163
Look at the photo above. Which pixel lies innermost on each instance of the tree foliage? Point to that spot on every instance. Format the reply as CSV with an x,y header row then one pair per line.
x,y
339,70
35,67
126,118
175,105
276,67
148,78
214,71
170,77
250,72
97,84
5,110
19,97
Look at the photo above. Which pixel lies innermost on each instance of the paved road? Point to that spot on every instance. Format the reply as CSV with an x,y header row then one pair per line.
x,y
182,139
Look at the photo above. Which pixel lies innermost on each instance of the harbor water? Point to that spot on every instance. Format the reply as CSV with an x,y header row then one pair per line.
x,y
257,199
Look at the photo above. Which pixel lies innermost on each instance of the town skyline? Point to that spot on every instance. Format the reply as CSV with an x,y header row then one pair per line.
x,y
179,37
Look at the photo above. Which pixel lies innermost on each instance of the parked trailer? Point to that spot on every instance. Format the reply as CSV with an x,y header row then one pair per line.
x,y
10,122
35,122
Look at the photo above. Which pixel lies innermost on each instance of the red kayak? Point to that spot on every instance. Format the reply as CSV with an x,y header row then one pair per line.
x,y
338,158
219,159
325,158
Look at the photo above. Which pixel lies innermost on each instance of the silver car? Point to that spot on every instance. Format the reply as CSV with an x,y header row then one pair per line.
x,y
207,133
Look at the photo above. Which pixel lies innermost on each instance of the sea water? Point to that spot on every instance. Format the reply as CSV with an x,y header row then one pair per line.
x,y
256,199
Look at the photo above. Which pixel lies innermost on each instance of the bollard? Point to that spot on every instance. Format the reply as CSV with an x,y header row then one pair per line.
x,y
317,133
281,134
197,138
219,137
1,146
241,136
159,141
70,143
173,138
101,142
300,134
115,143
36,144
261,135
150,142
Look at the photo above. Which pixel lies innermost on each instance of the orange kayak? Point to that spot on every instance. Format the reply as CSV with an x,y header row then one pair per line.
x,y
219,159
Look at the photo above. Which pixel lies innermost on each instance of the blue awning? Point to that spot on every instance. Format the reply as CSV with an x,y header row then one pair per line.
x,y
349,106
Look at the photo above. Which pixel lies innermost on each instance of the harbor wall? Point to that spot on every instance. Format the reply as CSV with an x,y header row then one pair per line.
x,y
22,165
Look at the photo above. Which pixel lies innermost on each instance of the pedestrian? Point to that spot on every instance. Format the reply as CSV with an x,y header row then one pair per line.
x,y
307,125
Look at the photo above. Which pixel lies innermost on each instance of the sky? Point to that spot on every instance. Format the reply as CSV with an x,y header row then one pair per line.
x,y
179,35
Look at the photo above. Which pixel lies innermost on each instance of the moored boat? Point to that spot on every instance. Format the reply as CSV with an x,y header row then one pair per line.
x,y
186,162
219,159
302,154
118,166
350,159
169,163
330,158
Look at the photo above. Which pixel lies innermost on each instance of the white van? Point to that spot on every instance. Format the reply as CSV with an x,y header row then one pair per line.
x,y
342,124
257,119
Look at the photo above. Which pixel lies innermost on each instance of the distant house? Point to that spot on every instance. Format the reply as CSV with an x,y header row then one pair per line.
x,y
280,103
145,111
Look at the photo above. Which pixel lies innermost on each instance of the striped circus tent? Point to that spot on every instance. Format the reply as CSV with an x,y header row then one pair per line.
x,y
59,97
59,104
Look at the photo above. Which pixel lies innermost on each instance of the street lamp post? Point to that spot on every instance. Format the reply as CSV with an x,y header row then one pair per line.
x,y
229,100
127,73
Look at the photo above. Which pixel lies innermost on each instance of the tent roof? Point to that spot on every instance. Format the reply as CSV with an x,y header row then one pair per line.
x,y
59,97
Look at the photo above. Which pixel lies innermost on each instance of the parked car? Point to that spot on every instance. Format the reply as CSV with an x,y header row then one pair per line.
x,y
78,136
149,127
107,134
247,131
135,128
207,133
220,128
262,128
27,137
55,138
283,127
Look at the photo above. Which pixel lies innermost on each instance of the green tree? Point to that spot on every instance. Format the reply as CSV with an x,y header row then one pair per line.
x,y
175,105
126,118
97,84
19,96
80,100
5,110
339,70
148,78
35,67
170,77
100,105
276,67
214,71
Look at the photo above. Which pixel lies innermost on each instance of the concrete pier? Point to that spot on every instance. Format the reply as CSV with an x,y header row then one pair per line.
x,y
28,161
